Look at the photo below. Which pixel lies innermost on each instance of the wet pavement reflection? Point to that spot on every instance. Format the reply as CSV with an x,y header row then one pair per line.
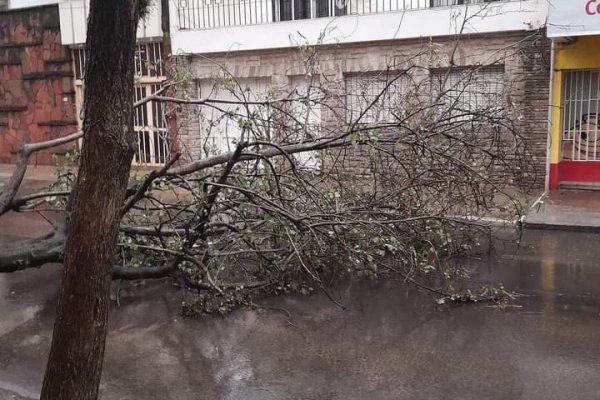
x,y
393,341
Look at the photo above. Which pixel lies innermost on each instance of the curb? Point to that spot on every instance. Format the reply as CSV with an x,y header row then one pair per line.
x,y
546,226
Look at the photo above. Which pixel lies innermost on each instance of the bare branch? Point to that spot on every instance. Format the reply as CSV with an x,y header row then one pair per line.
x,y
12,186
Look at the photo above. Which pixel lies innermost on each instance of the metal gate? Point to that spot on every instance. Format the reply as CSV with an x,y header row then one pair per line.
x,y
151,129
149,119
581,102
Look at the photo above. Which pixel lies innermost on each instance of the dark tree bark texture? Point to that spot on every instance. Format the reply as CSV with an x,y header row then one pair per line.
x,y
76,355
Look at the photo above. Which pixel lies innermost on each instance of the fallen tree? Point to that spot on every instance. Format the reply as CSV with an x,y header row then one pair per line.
x,y
397,185
393,186
257,219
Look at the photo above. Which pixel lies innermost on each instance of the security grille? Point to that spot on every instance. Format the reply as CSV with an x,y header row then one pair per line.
x,y
581,101
472,93
446,3
148,60
374,97
151,129
79,62
149,119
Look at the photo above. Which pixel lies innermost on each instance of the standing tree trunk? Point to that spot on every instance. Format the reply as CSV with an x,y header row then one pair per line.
x,y
76,355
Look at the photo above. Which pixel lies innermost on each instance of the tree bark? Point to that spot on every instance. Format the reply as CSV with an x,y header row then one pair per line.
x,y
76,355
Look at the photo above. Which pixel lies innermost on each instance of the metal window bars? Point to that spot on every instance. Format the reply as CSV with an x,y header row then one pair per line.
x,y
151,128
149,119
148,61
79,63
580,110
209,14
374,97
446,3
464,93
468,92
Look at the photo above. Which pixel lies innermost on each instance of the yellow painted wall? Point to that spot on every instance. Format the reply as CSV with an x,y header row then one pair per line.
x,y
555,133
583,53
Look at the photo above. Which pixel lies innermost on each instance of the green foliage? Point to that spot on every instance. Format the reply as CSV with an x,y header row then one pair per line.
x,y
145,8
269,245
487,293
181,73
267,228
204,303
64,174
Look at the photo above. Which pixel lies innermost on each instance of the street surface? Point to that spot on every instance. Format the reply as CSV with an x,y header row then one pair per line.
x,y
393,341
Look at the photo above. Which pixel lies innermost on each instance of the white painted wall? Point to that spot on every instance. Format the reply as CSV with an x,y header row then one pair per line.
x,y
73,21
29,3
574,18
220,130
491,17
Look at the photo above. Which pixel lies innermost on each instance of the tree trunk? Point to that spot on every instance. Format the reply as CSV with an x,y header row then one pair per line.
x,y
76,355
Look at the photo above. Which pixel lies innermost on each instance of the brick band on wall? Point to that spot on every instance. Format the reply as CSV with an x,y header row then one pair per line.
x,y
525,58
37,98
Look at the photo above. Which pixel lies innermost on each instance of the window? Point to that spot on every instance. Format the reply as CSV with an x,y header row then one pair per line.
x,y
79,61
581,107
374,97
340,7
468,93
445,3
149,119
148,60
304,9
305,117
224,125
149,123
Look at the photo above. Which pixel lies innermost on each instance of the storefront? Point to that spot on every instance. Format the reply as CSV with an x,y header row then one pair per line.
x,y
574,145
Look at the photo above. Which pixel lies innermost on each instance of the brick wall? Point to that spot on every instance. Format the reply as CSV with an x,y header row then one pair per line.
x,y
36,82
535,103
525,56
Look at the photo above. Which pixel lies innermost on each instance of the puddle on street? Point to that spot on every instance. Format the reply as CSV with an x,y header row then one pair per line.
x,y
392,342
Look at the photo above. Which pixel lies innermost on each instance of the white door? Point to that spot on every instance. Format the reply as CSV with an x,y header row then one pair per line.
x,y
306,113
224,125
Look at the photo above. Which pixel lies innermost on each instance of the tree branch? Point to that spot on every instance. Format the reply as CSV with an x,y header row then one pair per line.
x,y
139,194
12,186
33,252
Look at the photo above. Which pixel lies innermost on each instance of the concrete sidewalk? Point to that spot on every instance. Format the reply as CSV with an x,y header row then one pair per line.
x,y
34,172
47,172
575,210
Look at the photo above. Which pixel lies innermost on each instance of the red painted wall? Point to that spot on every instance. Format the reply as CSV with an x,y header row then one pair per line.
x,y
37,99
574,171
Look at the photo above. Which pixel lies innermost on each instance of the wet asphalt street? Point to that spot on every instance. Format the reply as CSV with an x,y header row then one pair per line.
x,y
393,341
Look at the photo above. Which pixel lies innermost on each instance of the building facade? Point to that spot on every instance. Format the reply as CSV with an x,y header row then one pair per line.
x,y
350,50
151,51
37,99
573,146
336,55
42,44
